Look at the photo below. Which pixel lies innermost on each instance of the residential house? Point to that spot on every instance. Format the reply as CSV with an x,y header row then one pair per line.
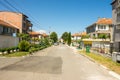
x,y
16,19
116,22
102,26
77,36
36,36
12,23
8,35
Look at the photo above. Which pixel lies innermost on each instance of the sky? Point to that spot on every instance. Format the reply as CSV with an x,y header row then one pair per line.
x,y
62,15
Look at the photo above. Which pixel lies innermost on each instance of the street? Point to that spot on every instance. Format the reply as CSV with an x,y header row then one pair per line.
x,y
54,63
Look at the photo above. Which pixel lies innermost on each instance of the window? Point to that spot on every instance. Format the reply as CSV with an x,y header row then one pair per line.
x,y
101,26
104,27
98,27
9,30
5,30
1,29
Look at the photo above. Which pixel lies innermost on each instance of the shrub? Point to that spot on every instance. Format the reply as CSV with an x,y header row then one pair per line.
x,y
24,45
46,41
8,50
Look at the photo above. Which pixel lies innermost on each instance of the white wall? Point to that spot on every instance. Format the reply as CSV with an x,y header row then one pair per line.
x,y
8,41
76,38
107,27
96,28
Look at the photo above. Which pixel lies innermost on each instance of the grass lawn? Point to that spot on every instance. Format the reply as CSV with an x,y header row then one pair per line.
x,y
16,54
104,61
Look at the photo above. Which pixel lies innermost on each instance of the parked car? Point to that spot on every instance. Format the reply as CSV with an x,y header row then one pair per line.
x,y
56,43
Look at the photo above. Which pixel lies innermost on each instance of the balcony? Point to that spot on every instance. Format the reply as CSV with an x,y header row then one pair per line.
x,y
29,24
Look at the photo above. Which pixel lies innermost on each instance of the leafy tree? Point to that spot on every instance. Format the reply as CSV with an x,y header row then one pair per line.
x,y
46,40
54,37
69,39
65,36
23,36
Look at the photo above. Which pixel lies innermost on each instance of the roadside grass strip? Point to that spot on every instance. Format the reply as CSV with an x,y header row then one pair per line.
x,y
105,61
16,54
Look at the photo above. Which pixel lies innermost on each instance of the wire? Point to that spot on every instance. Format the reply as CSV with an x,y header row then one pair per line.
x,y
6,6
11,5
31,17
12,8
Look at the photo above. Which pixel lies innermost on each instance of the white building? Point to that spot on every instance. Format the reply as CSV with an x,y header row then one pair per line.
x,y
102,26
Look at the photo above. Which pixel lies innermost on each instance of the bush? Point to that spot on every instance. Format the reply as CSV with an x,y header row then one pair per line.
x,y
3,50
46,41
8,50
24,45
35,45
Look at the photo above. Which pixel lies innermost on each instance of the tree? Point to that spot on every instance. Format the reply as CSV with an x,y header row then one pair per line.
x,y
65,36
23,36
46,40
54,37
69,39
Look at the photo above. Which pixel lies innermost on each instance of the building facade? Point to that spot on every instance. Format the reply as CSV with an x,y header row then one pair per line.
x,y
18,20
116,22
37,36
8,35
102,26
100,34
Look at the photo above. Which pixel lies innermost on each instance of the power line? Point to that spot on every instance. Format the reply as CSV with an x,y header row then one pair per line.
x,y
11,5
6,6
31,17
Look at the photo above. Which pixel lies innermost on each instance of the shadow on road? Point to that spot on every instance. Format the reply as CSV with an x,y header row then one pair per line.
x,y
41,64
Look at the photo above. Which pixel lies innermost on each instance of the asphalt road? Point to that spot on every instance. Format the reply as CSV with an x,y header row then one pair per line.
x,y
54,63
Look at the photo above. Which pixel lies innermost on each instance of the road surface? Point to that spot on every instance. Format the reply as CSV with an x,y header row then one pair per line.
x,y
54,63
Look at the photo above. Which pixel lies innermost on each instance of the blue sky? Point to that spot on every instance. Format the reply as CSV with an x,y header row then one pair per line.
x,y
63,15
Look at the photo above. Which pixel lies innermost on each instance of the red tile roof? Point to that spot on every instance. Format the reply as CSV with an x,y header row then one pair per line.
x,y
44,35
34,33
104,21
79,34
37,33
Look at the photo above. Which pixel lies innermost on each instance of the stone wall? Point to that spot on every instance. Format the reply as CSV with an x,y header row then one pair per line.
x,y
8,41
